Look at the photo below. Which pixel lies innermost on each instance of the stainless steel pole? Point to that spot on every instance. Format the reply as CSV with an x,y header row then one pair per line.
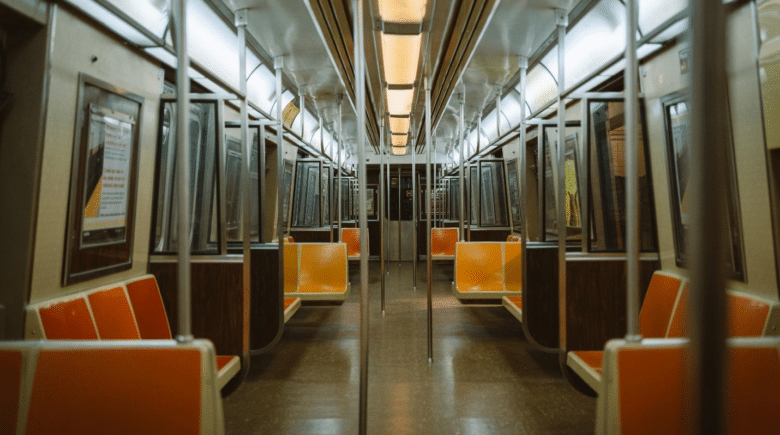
x,y
360,106
246,215
428,141
709,147
262,197
339,169
461,178
414,213
382,221
183,170
632,173
432,180
399,216
562,21
280,212
523,182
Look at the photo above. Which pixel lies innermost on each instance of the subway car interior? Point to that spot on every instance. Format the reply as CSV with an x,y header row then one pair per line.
x,y
401,216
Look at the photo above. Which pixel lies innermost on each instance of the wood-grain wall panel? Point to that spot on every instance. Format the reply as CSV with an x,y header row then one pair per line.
x,y
540,295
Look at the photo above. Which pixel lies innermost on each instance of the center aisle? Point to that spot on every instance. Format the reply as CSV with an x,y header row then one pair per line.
x,y
485,377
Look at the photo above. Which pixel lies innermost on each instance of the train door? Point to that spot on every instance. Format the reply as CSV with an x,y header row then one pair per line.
x,y
401,224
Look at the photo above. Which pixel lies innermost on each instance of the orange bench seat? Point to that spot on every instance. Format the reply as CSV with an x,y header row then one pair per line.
x,y
351,237
646,387
316,271
487,270
443,242
120,386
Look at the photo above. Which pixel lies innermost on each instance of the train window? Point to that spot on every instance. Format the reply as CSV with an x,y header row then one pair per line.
x,y
306,210
676,120
454,199
769,74
233,198
473,193
203,170
606,147
514,193
288,174
572,190
493,198
325,188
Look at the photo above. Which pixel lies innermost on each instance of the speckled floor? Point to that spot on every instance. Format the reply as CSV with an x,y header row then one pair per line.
x,y
485,377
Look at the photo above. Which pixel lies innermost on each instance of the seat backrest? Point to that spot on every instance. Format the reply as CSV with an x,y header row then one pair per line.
x,y
647,387
513,266
658,305
68,319
118,387
479,266
443,241
351,236
291,267
113,316
10,384
150,315
746,315
323,266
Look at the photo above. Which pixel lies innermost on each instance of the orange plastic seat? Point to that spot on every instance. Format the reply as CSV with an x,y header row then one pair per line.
x,y
647,388
443,242
10,384
114,318
291,268
118,387
323,268
479,267
351,236
68,320
513,267
747,316
149,309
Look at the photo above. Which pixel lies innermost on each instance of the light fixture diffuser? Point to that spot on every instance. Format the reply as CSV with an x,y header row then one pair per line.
x,y
399,101
399,125
399,151
402,11
400,58
399,139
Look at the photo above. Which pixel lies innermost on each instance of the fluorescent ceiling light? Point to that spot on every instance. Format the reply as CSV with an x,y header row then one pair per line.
x,y
399,101
402,11
399,151
399,125
400,57
399,139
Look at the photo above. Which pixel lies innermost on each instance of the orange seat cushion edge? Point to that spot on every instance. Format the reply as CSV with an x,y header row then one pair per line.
x,y
593,358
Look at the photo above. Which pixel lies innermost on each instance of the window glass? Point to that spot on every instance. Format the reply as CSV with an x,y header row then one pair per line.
x,y
202,180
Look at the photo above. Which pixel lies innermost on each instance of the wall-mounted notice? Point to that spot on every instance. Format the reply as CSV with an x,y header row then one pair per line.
x,y
109,152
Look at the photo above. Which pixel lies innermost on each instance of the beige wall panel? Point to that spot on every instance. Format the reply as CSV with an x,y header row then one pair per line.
x,y
124,68
750,153
661,76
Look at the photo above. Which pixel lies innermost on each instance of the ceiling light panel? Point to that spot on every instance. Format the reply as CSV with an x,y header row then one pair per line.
x,y
399,101
402,11
400,57
399,125
399,151
399,140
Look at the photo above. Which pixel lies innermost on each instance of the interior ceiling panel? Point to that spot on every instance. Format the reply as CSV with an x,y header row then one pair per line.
x,y
475,47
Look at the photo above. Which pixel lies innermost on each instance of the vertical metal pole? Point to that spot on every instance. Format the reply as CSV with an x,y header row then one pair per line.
x,y
246,215
461,178
428,141
414,212
562,21
523,167
262,197
382,221
632,172
183,171
339,169
498,111
387,227
360,106
280,212
583,177
322,168
433,181
399,215
709,148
